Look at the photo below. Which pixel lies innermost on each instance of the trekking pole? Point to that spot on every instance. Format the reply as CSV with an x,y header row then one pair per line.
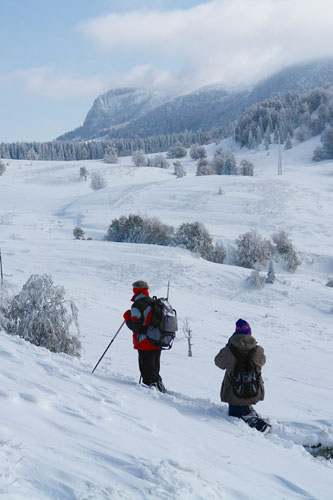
x,y
1,273
168,290
100,359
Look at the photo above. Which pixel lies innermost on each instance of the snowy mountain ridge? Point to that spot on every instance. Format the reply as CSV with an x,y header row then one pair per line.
x,y
129,112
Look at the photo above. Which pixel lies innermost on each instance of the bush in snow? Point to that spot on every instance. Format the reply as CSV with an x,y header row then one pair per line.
x,y
84,173
327,140
40,314
319,154
195,237
137,229
97,181
224,162
330,282
2,167
177,151
4,304
246,168
197,152
253,250
255,280
285,248
78,233
179,169
204,168
111,154
218,254
159,161
139,158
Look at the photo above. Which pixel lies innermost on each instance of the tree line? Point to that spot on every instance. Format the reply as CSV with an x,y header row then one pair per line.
x,y
96,150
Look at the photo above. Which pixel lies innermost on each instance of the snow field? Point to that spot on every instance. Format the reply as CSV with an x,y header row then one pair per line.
x,y
67,434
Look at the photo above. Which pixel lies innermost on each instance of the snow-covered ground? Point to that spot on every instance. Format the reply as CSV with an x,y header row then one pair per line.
x,y
66,434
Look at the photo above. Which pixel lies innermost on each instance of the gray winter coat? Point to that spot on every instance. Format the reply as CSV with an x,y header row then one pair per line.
x,y
227,361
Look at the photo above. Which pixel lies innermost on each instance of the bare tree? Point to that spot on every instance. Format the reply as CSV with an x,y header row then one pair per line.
x,y
188,335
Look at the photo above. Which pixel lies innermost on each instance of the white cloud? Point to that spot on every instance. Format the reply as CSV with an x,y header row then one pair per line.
x,y
46,82
234,41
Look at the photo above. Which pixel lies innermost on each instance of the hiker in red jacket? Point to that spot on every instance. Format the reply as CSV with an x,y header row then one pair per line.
x,y
137,319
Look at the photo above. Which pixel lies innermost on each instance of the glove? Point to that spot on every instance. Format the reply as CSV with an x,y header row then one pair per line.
x,y
127,315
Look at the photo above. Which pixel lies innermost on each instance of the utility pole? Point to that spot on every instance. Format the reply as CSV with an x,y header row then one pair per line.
x,y
279,158
1,273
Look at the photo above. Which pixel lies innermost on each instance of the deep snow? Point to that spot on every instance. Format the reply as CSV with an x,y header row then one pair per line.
x,y
67,434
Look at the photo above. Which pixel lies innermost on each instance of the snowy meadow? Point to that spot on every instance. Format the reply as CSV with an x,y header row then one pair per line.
x,y
66,434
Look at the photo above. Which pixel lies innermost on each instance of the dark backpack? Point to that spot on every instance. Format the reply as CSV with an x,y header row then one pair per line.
x,y
163,324
245,379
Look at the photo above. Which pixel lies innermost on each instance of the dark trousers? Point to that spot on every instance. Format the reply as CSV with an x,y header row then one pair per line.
x,y
149,364
238,411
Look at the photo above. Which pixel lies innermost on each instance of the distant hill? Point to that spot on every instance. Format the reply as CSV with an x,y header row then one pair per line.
x,y
129,112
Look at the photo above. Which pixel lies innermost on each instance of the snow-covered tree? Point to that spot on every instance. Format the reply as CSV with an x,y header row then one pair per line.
x,y
270,278
177,151
2,167
111,154
288,144
253,250
159,161
97,181
255,280
197,152
84,173
139,158
204,168
136,229
78,233
195,237
179,169
41,315
218,254
246,168
285,248
329,282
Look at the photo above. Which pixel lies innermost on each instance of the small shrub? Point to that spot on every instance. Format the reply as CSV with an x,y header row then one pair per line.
x,y
139,158
253,250
330,282
195,237
246,168
2,168
179,169
218,254
159,161
285,248
39,314
318,154
78,233
97,181
111,155
204,168
137,229
84,173
255,280
177,151
197,152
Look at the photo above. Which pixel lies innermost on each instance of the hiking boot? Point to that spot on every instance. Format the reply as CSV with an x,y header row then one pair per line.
x,y
159,386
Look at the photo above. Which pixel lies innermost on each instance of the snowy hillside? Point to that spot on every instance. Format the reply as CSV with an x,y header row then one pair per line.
x,y
66,434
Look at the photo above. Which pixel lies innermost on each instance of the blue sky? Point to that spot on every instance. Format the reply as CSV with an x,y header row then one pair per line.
x,y
58,56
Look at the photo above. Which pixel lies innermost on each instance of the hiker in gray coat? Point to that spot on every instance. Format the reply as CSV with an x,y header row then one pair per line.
x,y
241,345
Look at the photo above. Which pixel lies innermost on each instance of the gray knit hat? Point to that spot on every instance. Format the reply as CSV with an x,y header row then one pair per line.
x,y
140,284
